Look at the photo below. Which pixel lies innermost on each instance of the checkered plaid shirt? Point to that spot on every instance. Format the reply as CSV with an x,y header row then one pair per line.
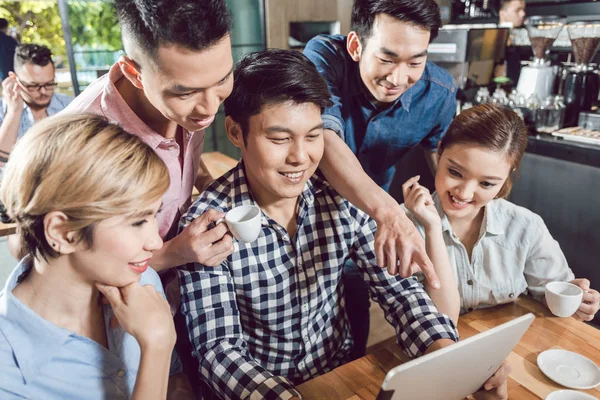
x,y
272,315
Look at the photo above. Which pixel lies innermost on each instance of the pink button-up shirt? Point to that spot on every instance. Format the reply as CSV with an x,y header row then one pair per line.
x,y
102,98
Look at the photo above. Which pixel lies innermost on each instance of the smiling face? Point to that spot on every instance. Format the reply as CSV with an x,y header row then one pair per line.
x,y
121,249
284,145
187,86
469,177
392,59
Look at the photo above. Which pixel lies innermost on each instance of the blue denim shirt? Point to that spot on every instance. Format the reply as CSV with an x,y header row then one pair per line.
x,y
39,360
380,138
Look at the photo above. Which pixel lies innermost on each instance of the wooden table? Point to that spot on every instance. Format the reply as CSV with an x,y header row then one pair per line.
x,y
361,379
7,229
218,163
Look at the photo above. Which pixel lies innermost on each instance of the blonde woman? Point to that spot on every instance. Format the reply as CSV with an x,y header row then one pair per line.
x,y
85,195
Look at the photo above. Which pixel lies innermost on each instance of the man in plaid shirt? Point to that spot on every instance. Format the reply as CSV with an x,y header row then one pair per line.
x,y
272,315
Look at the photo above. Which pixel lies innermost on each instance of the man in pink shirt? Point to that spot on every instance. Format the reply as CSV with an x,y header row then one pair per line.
x,y
167,90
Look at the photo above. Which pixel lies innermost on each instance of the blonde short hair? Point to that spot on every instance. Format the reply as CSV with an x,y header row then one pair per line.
x,y
83,166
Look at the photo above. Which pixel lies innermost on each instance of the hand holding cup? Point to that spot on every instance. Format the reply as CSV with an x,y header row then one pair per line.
x,y
244,222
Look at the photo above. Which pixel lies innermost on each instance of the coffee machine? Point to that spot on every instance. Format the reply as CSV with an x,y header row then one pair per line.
x,y
537,77
581,82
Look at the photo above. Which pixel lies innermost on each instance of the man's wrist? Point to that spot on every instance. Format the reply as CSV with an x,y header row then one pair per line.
x,y
439,344
167,257
12,112
385,208
389,212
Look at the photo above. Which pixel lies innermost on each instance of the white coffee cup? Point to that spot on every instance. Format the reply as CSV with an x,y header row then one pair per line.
x,y
563,298
244,222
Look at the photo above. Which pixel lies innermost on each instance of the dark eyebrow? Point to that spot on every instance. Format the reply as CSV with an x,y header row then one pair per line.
x,y
185,89
277,128
390,53
36,83
487,178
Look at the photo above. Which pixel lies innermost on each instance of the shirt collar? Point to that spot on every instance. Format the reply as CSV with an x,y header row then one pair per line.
x,y
493,225
54,106
490,224
34,340
115,108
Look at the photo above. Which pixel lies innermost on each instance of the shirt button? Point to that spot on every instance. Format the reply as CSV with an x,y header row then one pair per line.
x,y
512,295
121,373
305,307
306,338
470,282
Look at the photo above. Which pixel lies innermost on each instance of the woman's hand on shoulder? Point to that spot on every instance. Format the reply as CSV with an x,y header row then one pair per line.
x,y
143,313
590,303
418,200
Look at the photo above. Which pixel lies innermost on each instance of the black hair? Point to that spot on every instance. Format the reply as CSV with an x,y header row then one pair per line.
x,y
3,24
271,77
32,54
423,13
504,3
192,24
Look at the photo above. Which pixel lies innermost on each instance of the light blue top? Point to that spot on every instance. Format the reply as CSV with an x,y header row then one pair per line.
x,y
514,254
57,103
39,360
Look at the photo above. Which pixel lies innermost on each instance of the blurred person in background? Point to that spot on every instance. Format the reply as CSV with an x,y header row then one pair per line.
x,y
28,94
27,97
511,12
7,49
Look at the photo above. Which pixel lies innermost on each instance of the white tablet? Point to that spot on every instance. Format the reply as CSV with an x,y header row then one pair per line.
x,y
456,371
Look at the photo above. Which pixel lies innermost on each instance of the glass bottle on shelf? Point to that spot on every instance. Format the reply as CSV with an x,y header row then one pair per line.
x,y
482,96
550,115
499,97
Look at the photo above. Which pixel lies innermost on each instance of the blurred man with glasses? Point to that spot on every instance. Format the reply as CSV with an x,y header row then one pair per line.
x,y
28,94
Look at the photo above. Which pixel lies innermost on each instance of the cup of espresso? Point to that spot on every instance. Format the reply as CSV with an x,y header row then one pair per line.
x,y
563,298
244,222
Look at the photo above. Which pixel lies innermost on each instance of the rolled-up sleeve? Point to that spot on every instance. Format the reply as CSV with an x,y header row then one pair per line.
x,y
325,56
545,260
405,302
444,120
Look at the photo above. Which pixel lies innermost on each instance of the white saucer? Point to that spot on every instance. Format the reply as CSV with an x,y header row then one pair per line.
x,y
569,395
569,369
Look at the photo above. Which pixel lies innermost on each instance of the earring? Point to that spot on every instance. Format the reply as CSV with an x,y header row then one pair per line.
x,y
53,244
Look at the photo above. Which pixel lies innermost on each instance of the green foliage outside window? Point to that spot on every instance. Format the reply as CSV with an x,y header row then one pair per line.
x,y
94,24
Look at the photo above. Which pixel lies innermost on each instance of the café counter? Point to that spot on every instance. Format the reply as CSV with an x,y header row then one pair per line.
x,y
565,150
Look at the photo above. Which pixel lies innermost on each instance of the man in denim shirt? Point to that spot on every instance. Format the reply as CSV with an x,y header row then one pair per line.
x,y
387,98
